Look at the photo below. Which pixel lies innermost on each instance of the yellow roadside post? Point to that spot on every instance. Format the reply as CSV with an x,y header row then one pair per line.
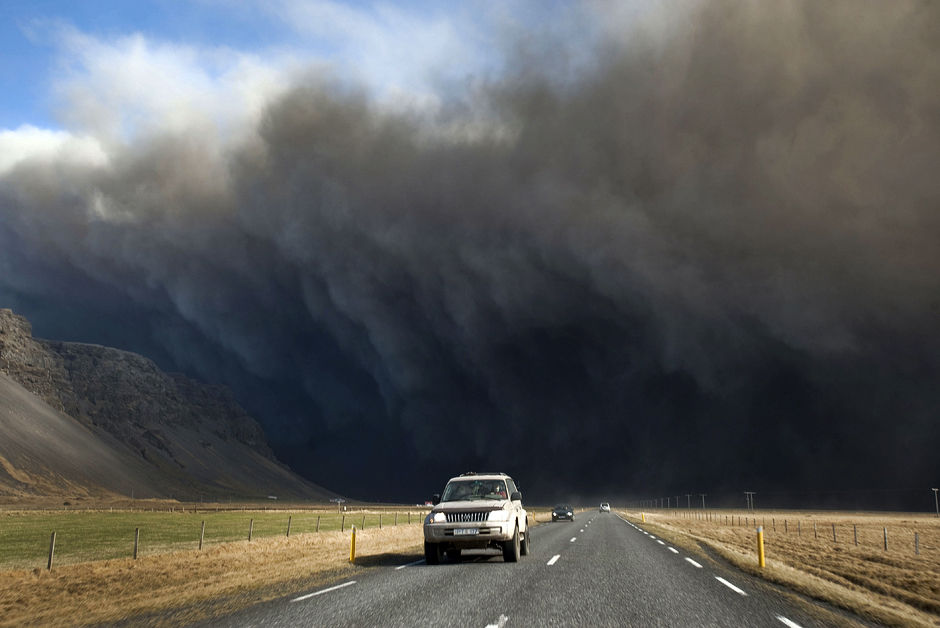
x,y
643,517
352,546
760,546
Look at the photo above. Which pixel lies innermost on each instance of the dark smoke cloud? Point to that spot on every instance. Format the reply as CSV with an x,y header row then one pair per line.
x,y
706,259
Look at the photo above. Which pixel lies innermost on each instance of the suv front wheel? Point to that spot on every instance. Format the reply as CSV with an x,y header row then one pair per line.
x,y
511,549
432,553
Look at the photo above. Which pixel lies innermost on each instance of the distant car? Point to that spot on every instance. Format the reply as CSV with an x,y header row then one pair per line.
x,y
562,512
605,507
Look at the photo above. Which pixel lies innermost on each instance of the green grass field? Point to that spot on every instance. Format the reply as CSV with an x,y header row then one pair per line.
x,y
100,535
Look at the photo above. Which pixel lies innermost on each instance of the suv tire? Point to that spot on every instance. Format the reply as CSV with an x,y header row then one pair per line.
x,y
511,547
432,553
453,554
525,548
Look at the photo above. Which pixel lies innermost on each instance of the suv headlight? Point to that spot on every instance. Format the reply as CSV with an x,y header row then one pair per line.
x,y
498,515
436,517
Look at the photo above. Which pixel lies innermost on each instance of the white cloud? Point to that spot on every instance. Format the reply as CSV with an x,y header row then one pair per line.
x,y
28,143
121,89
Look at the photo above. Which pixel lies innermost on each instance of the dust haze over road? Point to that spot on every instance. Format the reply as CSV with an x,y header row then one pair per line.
x,y
692,248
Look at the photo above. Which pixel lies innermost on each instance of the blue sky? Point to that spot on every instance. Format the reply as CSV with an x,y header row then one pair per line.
x,y
47,44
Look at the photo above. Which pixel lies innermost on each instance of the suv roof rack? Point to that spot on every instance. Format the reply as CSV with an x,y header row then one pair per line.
x,y
482,473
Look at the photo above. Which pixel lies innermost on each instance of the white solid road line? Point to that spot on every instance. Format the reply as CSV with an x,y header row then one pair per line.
x,y
573,539
673,550
499,622
695,564
787,622
417,562
553,560
310,595
730,586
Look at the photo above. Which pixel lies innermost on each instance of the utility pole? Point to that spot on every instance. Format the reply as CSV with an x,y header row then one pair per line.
x,y
935,502
749,495
703,499
688,500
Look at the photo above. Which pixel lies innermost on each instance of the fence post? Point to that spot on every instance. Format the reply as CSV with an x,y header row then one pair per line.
x,y
51,550
318,523
136,541
396,518
833,533
342,524
251,527
760,546
886,539
855,532
363,527
786,529
202,534
799,529
815,531
289,517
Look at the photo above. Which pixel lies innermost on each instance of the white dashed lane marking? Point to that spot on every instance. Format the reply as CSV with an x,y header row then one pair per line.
x,y
316,593
788,622
673,550
417,562
499,622
573,539
553,560
693,563
730,586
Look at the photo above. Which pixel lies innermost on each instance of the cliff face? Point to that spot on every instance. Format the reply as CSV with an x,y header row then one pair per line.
x,y
194,438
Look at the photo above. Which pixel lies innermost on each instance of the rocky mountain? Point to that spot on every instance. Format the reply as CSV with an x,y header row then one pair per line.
x,y
86,418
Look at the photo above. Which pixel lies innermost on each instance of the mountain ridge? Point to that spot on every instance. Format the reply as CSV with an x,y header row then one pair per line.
x,y
152,433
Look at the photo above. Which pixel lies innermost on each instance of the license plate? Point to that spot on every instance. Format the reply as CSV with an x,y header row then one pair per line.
x,y
465,531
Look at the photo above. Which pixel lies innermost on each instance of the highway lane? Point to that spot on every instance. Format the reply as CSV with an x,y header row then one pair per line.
x,y
599,570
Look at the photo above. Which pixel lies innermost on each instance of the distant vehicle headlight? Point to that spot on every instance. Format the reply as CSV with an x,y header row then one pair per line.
x,y
499,515
436,517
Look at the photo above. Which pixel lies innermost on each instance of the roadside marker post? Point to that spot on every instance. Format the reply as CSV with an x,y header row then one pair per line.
x,y
760,546
202,534
352,546
136,541
643,517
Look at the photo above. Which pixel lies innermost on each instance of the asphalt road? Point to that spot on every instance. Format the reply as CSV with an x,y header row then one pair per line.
x,y
600,570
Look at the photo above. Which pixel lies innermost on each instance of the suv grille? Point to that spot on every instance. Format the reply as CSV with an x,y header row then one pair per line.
x,y
467,517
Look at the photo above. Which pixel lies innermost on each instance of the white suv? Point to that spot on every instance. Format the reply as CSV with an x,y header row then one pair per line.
x,y
477,511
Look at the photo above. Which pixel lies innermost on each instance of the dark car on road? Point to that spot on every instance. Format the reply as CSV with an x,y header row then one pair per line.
x,y
562,512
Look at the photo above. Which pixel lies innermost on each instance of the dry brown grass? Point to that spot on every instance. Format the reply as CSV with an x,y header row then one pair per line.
x,y
894,587
188,586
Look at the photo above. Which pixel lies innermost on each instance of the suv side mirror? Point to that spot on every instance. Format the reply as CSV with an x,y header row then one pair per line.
x,y
436,499
516,496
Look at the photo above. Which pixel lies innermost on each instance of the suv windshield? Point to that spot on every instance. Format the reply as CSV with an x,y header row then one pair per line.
x,y
471,490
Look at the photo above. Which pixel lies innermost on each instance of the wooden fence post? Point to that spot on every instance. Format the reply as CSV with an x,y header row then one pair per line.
x,y
289,517
342,524
855,532
136,541
380,521
363,526
318,523
251,527
833,533
202,534
51,550
886,539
